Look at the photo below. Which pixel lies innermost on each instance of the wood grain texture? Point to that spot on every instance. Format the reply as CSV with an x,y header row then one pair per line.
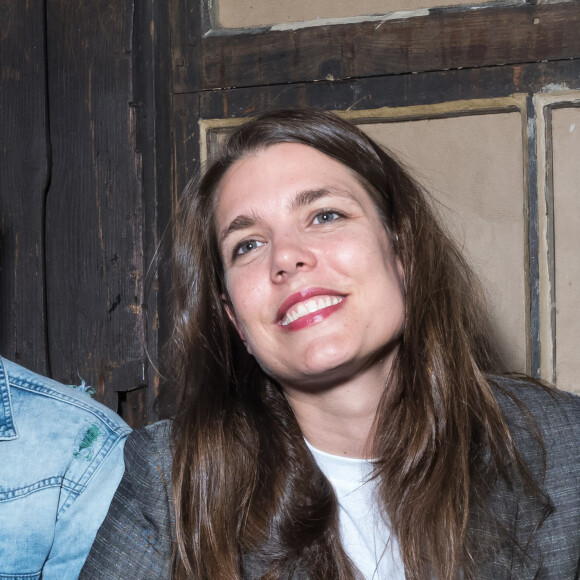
x,y
152,90
445,39
394,91
94,208
186,26
186,114
24,175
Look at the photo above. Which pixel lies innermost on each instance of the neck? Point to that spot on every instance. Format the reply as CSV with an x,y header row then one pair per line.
x,y
340,419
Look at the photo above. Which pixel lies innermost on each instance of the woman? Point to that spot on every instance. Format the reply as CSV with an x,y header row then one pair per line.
x,y
338,416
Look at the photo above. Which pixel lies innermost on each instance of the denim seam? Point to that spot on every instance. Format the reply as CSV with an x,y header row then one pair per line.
x,y
74,486
31,386
85,477
7,429
18,493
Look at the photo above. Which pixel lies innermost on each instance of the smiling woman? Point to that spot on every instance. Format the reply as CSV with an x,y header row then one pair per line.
x,y
340,416
315,256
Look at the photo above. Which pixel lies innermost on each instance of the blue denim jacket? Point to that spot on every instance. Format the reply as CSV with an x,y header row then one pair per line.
x,y
61,460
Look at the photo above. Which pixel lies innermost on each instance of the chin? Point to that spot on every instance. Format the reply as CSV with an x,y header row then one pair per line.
x,y
325,358
312,371
328,369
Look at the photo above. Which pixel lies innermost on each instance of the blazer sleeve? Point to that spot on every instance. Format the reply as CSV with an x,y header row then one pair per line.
x,y
135,540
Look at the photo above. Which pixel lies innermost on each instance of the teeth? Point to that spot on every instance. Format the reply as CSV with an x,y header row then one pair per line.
x,y
309,307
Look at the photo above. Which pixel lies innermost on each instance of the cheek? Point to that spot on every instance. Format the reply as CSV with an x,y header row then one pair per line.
x,y
246,297
346,254
359,256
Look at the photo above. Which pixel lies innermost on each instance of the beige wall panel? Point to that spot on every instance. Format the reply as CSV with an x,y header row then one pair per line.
x,y
249,13
566,187
474,166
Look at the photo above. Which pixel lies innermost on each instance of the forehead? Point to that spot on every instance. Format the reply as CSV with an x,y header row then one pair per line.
x,y
274,174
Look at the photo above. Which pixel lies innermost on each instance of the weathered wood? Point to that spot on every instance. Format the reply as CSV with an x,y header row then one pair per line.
x,y
444,39
186,114
394,91
186,27
24,175
186,163
151,89
94,207
133,406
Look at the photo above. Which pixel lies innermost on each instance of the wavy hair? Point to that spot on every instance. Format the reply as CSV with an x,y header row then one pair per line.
x,y
249,497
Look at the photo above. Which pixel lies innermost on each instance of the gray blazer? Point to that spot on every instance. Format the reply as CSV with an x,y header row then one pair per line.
x,y
135,539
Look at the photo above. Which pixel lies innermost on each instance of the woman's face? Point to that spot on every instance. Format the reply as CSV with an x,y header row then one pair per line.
x,y
313,287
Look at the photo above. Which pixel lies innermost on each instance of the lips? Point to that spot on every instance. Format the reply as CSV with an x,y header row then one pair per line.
x,y
307,306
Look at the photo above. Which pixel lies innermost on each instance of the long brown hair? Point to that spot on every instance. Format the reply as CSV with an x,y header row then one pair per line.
x,y
249,497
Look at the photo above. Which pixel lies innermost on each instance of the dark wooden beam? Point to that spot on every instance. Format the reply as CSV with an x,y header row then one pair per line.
x,y
24,178
186,24
412,90
444,39
94,206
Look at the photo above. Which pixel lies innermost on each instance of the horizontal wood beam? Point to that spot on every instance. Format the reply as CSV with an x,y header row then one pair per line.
x,y
411,90
442,40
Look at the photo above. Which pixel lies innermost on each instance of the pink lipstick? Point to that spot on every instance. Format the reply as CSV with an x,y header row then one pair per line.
x,y
310,306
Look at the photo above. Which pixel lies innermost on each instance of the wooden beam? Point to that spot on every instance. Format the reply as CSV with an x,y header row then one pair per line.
x,y
414,90
24,178
444,39
94,207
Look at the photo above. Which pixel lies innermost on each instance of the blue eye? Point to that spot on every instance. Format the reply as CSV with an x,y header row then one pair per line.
x,y
326,217
247,246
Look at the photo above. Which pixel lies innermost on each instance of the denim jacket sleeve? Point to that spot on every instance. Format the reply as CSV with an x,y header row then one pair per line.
x,y
77,526
62,459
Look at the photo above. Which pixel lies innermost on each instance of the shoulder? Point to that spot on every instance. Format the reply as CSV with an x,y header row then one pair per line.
x,y
156,436
146,485
148,469
65,453
53,437
553,411
28,396
148,450
543,421
75,433
544,424
136,537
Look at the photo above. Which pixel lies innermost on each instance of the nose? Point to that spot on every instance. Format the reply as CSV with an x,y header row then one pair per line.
x,y
290,255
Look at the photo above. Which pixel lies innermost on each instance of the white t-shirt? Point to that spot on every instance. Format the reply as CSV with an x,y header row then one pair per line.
x,y
364,532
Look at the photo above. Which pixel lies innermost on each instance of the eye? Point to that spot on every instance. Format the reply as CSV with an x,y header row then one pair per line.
x,y
246,247
325,217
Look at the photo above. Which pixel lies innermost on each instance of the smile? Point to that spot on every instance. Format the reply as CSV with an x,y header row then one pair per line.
x,y
309,307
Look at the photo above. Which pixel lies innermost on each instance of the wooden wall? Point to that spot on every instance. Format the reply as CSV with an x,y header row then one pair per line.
x,y
104,104
84,156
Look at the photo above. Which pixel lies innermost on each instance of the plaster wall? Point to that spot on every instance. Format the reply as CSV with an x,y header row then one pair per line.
x,y
473,165
253,13
566,192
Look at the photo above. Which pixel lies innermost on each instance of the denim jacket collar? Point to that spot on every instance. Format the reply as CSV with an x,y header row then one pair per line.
x,y
7,427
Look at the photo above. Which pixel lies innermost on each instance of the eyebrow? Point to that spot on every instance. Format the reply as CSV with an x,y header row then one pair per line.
x,y
241,222
301,199
308,196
